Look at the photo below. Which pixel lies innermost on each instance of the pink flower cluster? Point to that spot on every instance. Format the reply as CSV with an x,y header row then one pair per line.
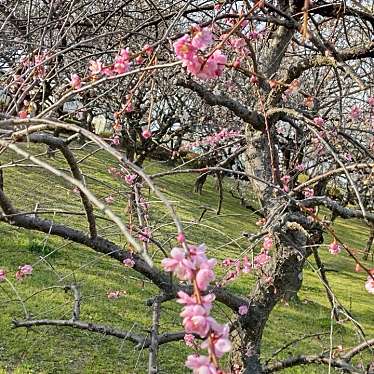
x,y
189,50
37,63
247,266
145,234
112,295
216,138
128,262
122,174
319,121
195,267
109,200
334,248
285,181
23,271
355,112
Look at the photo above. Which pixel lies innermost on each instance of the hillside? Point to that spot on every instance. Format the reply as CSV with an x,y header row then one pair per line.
x,y
57,262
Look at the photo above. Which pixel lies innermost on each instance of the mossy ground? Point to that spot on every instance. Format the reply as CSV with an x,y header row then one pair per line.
x,y
58,262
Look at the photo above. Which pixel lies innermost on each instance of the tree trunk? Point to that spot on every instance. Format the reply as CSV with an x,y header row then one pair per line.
x,y
282,276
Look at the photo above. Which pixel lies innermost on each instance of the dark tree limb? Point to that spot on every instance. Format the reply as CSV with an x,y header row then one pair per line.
x,y
102,245
70,159
252,117
335,207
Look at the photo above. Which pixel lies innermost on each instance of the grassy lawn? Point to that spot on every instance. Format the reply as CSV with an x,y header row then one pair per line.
x,y
58,262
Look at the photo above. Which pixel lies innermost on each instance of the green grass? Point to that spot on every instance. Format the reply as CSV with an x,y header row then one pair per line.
x,y
58,262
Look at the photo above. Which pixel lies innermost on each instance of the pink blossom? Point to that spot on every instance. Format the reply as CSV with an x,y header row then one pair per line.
x,y
243,309
309,102
268,243
253,79
196,320
261,222
2,275
334,248
145,234
139,60
247,266
204,277
254,35
128,106
108,71
262,259
300,167
308,192
222,346
178,264
217,6
369,285
125,53
318,121
227,262
195,64
199,259
128,262
183,48
236,63
220,339
148,49
114,295
294,86
26,269
202,38
95,67
109,199
244,23
181,237
371,101
76,190
75,81
238,43
130,179
116,140
189,339
355,112
146,134
120,66
23,271
186,299
200,365
214,66
122,62
22,114
285,180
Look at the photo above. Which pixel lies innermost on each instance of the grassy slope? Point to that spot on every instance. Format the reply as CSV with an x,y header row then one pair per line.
x,y
51,350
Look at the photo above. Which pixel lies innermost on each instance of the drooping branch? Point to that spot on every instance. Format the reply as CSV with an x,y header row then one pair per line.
x,y
102,329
